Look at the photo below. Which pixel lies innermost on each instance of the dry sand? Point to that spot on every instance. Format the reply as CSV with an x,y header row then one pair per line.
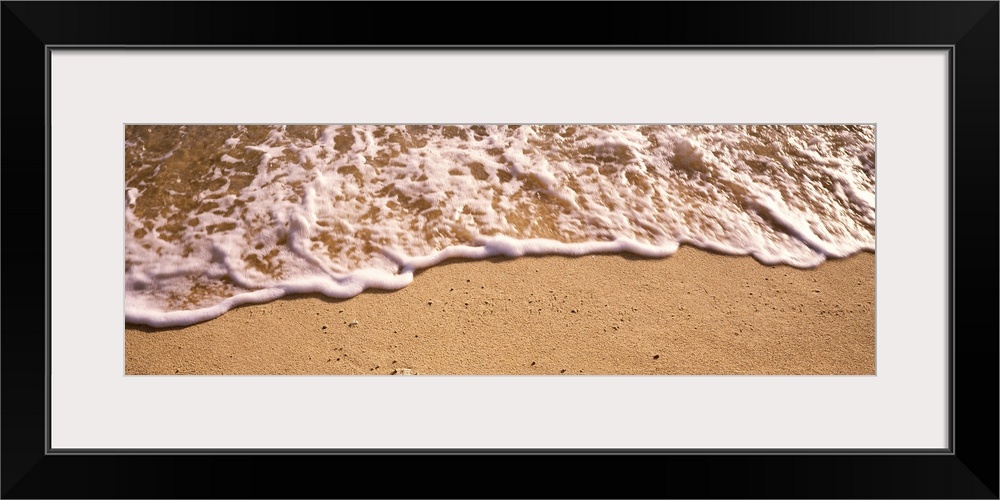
x,y
692,313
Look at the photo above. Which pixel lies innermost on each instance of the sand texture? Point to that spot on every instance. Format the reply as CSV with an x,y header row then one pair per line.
x,y
692,313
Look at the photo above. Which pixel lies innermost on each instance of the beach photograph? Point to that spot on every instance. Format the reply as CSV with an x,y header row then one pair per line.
x,y
499,249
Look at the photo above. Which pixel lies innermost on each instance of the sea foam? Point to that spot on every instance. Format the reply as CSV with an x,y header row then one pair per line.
x,y
219,216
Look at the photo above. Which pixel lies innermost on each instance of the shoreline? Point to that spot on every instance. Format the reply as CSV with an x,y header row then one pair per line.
x,y
695,312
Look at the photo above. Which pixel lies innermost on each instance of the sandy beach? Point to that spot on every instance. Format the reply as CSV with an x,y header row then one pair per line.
x,y
692,313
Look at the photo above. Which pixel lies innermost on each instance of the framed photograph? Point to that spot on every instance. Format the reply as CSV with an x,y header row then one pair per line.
x,y
719,251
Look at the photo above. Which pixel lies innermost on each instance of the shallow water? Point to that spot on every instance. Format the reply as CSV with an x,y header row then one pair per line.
x,y
222,215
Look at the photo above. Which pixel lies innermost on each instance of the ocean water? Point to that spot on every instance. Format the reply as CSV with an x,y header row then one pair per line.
x,y
217,216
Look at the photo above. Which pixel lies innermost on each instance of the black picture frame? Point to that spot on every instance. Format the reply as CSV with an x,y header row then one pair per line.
x,y
969,31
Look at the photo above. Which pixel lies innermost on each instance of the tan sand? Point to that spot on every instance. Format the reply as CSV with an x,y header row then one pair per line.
x,y
692,313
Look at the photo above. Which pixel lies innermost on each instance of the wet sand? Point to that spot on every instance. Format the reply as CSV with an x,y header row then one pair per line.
x,y
693,313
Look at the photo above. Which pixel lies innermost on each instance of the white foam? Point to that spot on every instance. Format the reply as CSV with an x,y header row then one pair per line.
x,y
364,207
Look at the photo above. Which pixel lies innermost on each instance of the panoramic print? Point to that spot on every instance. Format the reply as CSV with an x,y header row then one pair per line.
x,y
499,249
